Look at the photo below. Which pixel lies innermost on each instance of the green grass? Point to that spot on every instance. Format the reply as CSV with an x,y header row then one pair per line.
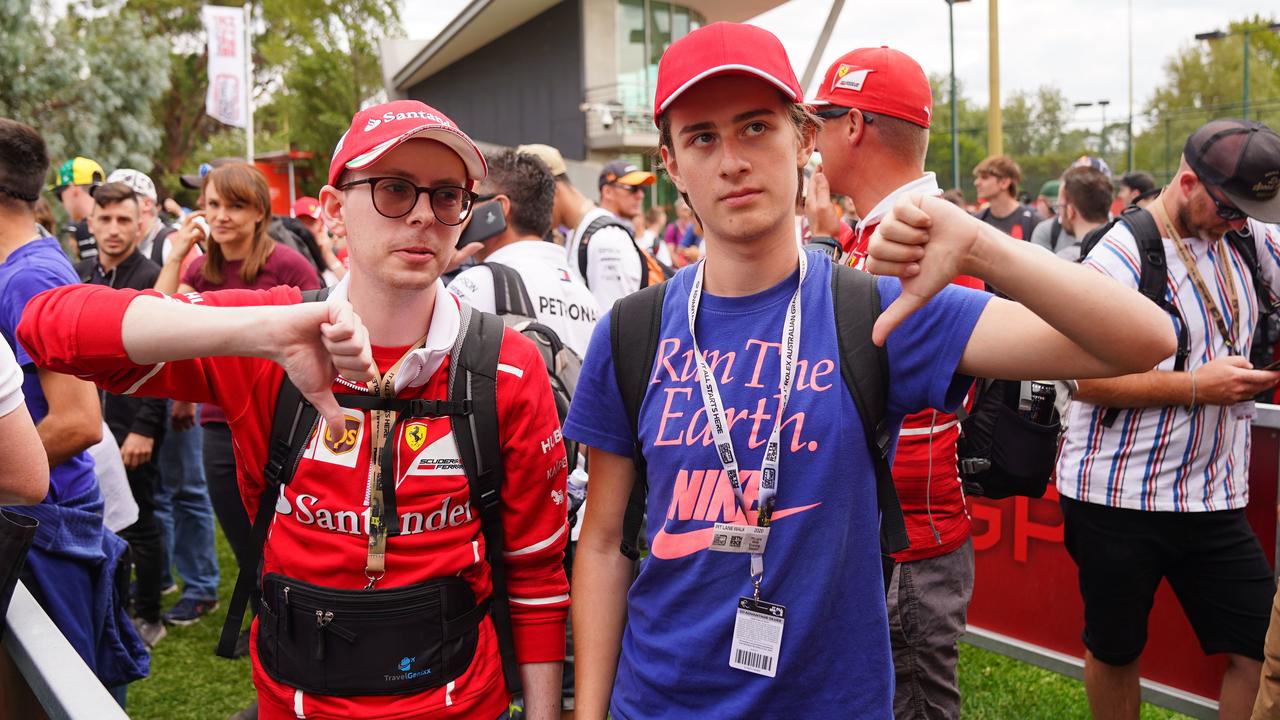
x,y
994,687
189,682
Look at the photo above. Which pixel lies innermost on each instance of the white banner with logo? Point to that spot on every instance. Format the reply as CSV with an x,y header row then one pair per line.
x,y
227,98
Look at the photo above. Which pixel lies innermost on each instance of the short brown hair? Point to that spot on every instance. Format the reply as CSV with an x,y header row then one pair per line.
x,y
241,182
1003,167
1088,191
112,193
23,163
802,120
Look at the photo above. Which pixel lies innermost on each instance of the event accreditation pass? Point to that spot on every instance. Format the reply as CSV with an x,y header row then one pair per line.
x,y
739,538
757,637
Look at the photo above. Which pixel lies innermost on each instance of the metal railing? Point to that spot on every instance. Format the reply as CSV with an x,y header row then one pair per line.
x,y
58,678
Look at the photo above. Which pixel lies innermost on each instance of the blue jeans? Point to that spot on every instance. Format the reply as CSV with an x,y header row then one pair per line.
x,y
186,516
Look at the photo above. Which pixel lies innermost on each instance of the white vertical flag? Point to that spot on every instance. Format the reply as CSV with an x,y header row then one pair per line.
x,y
226,100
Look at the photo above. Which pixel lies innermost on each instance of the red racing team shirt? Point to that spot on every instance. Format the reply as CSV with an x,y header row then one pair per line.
x,y
319,532
924,469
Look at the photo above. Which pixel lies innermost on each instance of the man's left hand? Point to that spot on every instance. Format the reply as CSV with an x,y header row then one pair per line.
x,y
136,450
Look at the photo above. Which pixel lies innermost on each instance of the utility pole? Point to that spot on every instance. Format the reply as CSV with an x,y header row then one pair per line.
x,y
995,135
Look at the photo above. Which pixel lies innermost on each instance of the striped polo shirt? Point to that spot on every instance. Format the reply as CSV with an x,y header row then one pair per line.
x,y
1172,458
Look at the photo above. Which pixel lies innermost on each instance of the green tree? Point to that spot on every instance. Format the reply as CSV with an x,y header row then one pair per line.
x,y
1205,80
314,62
85,80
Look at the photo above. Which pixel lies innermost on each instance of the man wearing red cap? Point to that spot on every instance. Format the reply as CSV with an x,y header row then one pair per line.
x,y
377,580
876,104
333,251
756,577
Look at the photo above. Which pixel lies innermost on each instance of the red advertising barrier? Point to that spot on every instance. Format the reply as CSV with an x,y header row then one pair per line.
x,y
1027,588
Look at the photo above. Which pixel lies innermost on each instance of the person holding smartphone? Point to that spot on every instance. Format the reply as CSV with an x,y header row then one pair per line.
x,y
509,229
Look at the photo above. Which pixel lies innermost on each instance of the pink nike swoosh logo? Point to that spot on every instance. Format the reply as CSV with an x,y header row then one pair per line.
x,y
669,546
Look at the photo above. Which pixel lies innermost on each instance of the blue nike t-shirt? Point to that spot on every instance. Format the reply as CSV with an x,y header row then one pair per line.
x,y
823,557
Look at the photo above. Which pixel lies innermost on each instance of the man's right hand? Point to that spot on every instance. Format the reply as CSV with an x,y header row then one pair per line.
x,y
314,342
1229,380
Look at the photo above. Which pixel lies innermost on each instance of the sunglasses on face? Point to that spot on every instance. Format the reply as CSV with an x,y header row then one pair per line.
x,y
1226,210
834,111
628,188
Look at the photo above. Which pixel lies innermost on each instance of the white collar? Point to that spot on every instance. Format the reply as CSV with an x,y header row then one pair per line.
x,y
421,364
926,184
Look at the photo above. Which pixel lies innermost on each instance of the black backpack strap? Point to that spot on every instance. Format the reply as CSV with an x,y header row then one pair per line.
x,y
596,226
510,296
634,326
1242,241
865,369
473,378
1153,279
291,427
157,245
1055,232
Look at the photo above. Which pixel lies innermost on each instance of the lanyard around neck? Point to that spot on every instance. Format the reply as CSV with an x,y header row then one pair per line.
x,y
1229,332
711,401
382,423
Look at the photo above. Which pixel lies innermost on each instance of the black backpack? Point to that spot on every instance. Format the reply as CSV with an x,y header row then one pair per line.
x,y
513,304
634,329
473,406
652,270
1000,451
1153,283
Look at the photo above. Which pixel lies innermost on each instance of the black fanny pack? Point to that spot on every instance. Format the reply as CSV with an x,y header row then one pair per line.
x,y
367,642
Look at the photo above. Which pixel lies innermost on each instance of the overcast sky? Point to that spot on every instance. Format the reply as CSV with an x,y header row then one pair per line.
x,y
1078,45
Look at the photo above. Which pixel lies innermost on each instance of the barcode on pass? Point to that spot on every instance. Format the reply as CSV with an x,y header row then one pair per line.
x,y
751,659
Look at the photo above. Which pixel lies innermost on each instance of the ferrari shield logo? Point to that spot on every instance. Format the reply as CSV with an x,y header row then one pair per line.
x,y
415,434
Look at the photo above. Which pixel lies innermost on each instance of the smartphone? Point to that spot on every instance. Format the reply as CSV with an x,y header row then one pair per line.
x,y
487,220
1273,366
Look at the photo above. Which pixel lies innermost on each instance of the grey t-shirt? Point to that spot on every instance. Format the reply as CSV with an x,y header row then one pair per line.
x,y
1067,245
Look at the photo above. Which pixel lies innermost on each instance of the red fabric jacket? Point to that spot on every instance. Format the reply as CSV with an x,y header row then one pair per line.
x,y
319,531
924,468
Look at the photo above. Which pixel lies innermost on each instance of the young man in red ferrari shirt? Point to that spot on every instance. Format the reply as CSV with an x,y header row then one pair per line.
x,y
876,103
400,191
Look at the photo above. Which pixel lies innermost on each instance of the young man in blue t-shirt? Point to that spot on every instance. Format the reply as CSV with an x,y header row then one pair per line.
x,y
732,137
72,561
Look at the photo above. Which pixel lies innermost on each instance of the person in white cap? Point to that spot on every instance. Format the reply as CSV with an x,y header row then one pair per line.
x,y
763,595
381,590
154,231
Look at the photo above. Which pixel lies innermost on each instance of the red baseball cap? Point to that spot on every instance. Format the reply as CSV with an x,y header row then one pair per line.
x,y
880,80
306,206
377,130
723,49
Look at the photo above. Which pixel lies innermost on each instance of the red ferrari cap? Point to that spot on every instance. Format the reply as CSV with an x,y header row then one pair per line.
x,y
306,206
880,80
723,49
377,130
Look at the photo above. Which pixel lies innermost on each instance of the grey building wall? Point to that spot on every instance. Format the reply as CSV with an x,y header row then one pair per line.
x,y
523,87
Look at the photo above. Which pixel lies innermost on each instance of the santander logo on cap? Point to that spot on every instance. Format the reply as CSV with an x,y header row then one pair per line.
x,y
379,129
